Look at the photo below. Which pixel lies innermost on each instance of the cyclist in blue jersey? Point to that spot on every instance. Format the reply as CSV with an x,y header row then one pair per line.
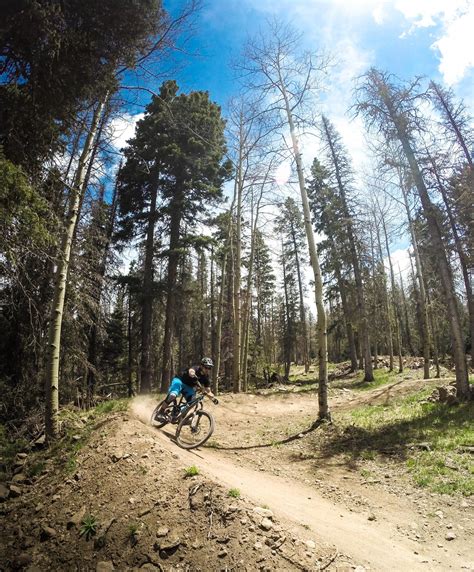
x,y
186,383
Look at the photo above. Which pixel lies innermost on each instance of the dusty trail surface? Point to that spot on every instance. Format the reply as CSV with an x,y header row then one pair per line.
x,y
296,504
379,523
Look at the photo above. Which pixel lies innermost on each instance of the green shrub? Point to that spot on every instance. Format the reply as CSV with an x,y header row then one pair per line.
x,y
191,471
88,526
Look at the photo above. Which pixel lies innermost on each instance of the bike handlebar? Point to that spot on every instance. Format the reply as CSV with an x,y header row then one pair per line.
x,y
201,388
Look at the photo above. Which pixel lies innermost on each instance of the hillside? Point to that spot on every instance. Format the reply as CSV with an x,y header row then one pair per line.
x,y
268,494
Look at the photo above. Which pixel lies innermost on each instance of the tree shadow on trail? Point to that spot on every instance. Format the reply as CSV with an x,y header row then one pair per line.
x,y
288,439
367,385
438,421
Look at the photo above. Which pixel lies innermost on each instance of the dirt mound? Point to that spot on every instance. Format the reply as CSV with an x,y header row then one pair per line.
x,y
128,505
267,496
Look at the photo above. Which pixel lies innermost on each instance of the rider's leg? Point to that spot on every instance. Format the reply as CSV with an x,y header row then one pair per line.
x,y
174,391
189,393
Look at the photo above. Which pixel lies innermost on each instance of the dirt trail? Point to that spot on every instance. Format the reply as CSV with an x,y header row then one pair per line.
x,y
378,542
367,543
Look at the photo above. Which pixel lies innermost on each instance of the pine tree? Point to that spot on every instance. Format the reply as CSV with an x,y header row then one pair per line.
x,y
176,158
389,107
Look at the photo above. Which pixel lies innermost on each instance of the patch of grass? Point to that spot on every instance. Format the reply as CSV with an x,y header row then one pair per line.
x,y
10,448
368,455
35,469
431,470
406,427
212,444
382,377
76,430
71,464
234,493
79,430
88,526
114,405
191,471
133,529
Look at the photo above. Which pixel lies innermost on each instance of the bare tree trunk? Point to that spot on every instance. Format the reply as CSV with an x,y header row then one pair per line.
x,y
173,260
425,331
248,299
405,313
462,381
373,310
129,343
213,307
434,337
147,296
220,304
347,312
463,259
247,305
220,313
289,323
60,280
302,308
394,301
236,372
386,301
452,121
92,335
363,318
318,282
202,319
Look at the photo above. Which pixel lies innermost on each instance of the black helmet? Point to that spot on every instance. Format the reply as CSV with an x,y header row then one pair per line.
x,y
207,362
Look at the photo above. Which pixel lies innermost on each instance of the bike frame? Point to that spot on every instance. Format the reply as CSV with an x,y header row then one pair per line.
x,y
188,406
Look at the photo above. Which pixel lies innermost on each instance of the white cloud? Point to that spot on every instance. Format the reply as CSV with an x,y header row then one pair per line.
x,y
425,13
457,48
123,129
378,14
455,22
400,262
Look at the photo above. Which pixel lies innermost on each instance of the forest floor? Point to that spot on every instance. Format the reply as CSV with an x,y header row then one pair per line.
x,y
267,492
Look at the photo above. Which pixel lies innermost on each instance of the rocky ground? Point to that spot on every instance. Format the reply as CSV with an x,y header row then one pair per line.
x,y
149,515
264,498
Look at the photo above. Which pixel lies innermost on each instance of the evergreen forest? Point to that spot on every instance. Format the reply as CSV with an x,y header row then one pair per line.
x,y
122,266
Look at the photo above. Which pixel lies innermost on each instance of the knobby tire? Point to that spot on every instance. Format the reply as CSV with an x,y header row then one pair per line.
x,y
159,424
184,426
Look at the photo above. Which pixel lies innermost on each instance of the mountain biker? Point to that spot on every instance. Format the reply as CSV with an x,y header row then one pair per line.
x,y
186,383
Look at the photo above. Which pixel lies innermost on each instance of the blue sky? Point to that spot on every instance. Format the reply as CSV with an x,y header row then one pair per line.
x,y
397,35
433,38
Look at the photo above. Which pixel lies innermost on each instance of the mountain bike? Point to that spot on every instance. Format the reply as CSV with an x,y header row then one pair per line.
x,y
194,425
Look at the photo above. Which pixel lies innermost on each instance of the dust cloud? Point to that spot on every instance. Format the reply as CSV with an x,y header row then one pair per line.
x,y
142,407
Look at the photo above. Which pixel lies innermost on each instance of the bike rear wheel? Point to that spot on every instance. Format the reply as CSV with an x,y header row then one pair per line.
x,y
194,430
155,420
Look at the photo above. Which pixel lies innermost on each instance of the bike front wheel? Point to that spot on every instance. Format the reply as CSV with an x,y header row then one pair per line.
x,y
194,430
158,419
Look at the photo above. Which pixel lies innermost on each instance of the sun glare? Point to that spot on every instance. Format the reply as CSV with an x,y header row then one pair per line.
x,y
282,173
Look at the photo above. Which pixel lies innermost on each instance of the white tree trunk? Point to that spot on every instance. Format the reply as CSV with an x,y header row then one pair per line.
x,y
60,280
318,282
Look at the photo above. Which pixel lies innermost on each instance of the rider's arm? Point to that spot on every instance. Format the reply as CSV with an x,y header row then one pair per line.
x,y
207,391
